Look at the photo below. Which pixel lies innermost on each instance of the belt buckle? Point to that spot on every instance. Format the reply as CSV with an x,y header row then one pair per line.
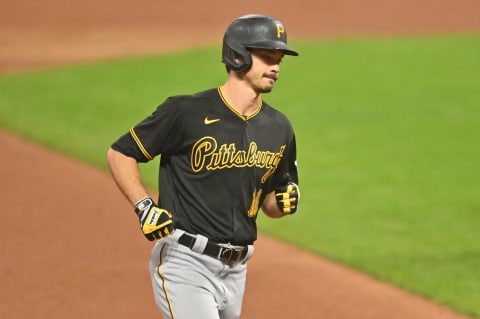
x,y
232,255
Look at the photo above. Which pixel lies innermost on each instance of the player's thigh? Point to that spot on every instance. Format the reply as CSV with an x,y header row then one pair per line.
x,y
187,302
183,300
234,285
180,290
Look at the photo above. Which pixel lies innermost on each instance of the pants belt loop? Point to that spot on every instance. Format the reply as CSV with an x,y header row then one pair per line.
x,y
249,254
177,234
200,244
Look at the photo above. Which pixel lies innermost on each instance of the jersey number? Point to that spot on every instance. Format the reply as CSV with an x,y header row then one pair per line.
x,y
254,208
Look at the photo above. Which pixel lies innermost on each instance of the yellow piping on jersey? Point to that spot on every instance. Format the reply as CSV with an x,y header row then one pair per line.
x,y
243,117
140,145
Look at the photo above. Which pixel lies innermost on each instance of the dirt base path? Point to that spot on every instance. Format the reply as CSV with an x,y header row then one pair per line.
x,y
59,262
52,32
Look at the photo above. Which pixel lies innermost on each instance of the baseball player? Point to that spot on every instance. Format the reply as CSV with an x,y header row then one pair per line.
x,y
224,155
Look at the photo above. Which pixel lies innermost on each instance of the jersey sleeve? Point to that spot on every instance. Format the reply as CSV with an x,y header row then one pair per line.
x,y
287,170
156,134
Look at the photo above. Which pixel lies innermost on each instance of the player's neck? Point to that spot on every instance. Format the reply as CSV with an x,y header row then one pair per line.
x,y
241,98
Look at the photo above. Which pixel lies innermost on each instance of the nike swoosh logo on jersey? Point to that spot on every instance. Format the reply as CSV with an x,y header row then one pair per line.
x,y
208,122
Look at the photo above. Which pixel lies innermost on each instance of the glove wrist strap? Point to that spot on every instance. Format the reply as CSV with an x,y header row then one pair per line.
x,y
144,203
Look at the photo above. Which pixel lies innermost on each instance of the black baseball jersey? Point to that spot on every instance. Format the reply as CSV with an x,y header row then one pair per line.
x,y
216,165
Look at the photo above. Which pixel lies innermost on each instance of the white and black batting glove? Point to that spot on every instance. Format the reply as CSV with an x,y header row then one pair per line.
x,y
287,198
155,222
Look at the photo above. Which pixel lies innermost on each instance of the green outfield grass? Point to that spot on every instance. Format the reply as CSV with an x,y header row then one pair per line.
x,y
388,139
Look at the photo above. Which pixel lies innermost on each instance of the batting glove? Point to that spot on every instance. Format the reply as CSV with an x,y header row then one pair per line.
x,y
155,222
287,198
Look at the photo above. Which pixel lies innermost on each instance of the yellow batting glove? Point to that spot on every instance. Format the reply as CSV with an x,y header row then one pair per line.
x,y
155,222
287,198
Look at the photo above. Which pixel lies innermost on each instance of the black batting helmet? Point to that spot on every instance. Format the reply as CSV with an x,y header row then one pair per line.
x,y
253,31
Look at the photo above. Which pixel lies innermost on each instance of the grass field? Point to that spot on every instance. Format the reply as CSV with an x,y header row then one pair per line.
x,y
388,133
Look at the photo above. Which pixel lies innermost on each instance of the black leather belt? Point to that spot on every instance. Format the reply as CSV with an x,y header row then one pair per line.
x,y
229,255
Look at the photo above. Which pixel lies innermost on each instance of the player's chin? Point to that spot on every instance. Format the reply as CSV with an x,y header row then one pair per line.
x,y
267,87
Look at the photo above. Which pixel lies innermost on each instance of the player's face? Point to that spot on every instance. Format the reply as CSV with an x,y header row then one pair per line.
x,y
265,69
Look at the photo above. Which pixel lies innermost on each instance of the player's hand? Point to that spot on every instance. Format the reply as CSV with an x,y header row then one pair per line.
x,y
155,222
287,198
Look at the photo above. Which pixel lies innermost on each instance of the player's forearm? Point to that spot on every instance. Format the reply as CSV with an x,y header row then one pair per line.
x,y
125,172
270,207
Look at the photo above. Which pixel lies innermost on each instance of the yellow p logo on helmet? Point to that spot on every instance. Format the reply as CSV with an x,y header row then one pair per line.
x,y
280,30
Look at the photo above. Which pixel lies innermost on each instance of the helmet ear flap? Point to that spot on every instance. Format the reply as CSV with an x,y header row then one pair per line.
x,y
237,58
